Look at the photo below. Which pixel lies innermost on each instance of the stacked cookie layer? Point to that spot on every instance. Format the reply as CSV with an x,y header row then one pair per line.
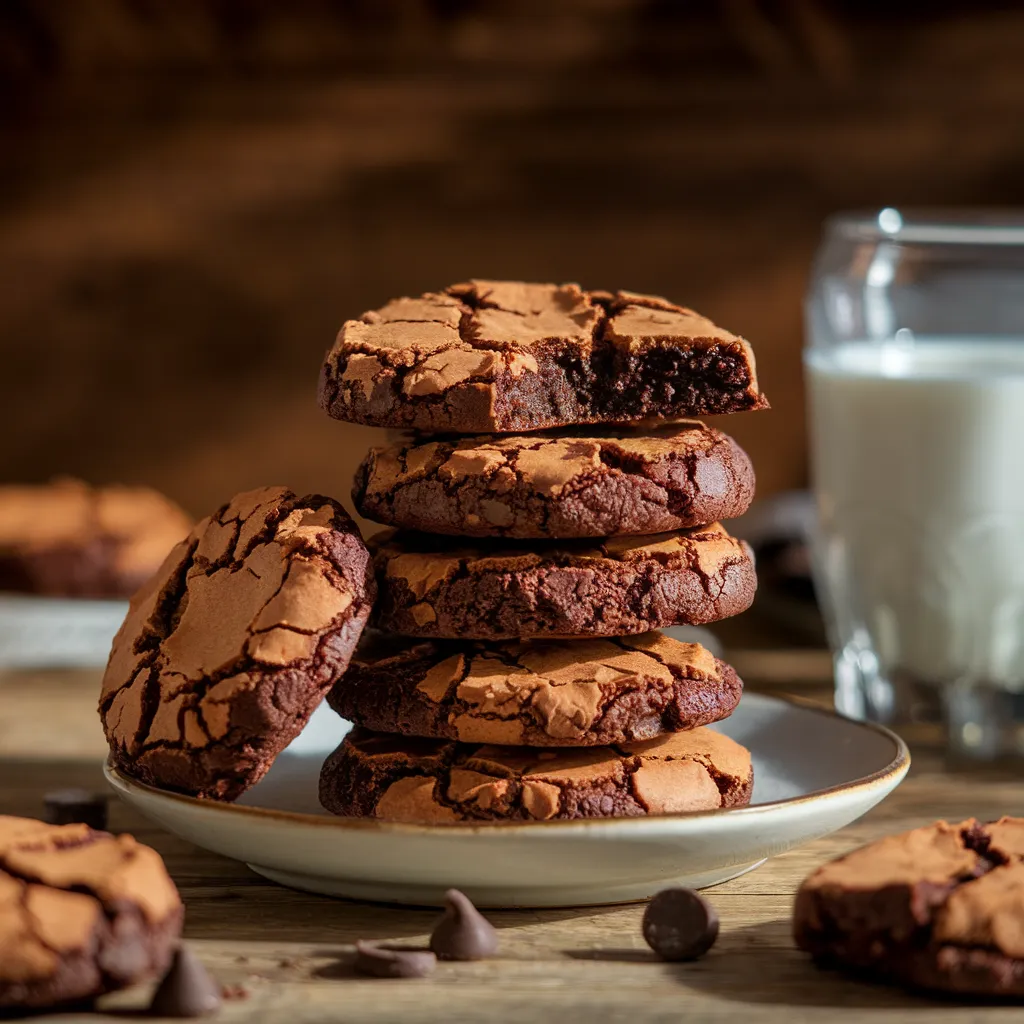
x,y
516,671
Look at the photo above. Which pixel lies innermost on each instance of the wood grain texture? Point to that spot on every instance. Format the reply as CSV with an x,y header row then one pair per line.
x,y
195,196
291,951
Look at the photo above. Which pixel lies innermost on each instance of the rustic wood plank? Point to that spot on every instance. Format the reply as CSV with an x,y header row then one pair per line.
x,y
290,950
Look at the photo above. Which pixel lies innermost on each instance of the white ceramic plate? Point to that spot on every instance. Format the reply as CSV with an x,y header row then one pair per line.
x,y
52,632
813,773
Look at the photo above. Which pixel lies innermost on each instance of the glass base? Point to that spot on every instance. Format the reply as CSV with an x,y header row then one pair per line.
x,y
972,720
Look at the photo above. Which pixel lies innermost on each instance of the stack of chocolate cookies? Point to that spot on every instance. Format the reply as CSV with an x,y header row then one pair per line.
x,y
515,669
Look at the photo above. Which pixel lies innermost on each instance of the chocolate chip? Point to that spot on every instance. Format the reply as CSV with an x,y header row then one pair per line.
x,y
680,925
463,933
76,806
382,962
187,990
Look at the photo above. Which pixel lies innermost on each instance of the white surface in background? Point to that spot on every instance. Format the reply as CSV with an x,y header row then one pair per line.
x,y
48,632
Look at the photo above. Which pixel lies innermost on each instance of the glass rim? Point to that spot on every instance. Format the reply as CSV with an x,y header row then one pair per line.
x,y
952,226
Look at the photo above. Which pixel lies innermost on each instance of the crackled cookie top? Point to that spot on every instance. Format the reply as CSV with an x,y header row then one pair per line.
x,y
939,907
542,693
67,539
229,647
496,356
437,782
611,587
573,484
81,912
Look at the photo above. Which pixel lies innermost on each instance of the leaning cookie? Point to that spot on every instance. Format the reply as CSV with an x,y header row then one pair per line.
x,y
81,913
581,484
501,356
556,693
437,782
938,908
229,648
612,587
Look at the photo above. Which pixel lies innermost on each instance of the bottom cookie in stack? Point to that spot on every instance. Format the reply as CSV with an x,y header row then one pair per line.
x,y
412,779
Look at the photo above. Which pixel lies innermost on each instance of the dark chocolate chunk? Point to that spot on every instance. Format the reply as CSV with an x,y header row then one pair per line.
x,y
76,806
679,924
385,962
186,990
463,933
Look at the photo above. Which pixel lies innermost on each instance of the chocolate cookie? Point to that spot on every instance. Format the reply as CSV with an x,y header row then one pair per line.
x,y
549,589
81,913
575,485
437,782
507,356
556,693
229,648
66,539
941,907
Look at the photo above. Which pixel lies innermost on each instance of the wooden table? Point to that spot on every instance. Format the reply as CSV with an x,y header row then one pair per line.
x,y
290,950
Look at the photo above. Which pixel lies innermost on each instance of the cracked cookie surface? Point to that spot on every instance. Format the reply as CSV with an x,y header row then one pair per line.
x,y
66,539
580,484
81,913
499,356
438,782
230,646
939,907
611,587
544,693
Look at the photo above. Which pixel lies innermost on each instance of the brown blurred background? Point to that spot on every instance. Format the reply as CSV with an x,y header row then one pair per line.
x,y
195,194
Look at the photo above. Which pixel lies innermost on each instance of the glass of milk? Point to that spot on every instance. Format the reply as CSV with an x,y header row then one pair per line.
x,y
915,371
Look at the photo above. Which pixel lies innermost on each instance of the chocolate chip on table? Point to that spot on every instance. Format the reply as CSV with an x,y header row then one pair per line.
x,y
382,962
463,933
186,990
76,806
679,924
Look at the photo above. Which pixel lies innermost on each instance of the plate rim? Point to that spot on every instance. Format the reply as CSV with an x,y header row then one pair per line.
x,y
897,768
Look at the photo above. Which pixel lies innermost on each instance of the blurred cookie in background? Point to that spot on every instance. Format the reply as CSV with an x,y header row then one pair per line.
x,y
67,539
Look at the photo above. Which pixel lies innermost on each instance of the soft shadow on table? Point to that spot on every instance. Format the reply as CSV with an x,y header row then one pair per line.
x,y
611,955
771,970
252,913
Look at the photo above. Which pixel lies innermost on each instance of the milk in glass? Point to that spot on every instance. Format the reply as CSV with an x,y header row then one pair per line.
x,y
918,459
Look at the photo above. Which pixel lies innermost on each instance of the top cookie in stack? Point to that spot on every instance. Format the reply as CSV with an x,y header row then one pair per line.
x,y
539,530
502,356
